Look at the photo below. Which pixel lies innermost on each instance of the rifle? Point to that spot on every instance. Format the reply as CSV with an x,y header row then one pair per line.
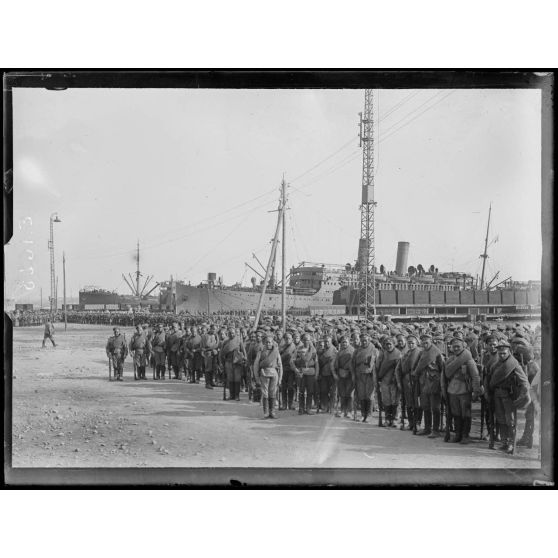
x,y
110,369
152,359
380,423
448,415
224,385
403,412
491,426
135,367
412,379
514,431
483,407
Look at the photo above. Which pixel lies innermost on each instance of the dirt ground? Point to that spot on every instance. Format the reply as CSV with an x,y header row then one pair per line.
x,y
67,414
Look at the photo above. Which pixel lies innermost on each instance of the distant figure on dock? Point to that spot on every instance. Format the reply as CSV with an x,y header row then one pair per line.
x,y
49,333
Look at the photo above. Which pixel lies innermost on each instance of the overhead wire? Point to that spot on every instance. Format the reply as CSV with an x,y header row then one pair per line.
x,y
390,134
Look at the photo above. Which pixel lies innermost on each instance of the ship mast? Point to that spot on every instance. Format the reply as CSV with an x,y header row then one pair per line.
x,y
280,213
485,255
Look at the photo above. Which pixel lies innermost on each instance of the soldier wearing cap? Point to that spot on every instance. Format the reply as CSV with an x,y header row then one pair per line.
x,y
268,371
253,347
233,357
173,344
403,371
327,375
140,347
209,345
344,373
117,351
460,386
159,349
427,374
386,364
307,369
509,390
288,352
364,361
195,359
400,343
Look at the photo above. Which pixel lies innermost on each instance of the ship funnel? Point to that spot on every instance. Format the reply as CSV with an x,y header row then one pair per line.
x,y
402,258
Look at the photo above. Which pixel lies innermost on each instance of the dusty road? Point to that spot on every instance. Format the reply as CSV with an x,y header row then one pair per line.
x,y
67,414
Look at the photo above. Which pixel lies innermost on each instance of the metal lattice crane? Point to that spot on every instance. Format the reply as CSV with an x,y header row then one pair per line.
x,y
366,248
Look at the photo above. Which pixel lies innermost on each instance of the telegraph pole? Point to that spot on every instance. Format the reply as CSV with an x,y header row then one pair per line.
x,y
283,256
485,255
53,219
270,262
64,281
366,248
138,273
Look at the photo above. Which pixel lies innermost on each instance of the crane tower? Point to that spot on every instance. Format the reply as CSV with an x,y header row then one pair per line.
x,y
366,247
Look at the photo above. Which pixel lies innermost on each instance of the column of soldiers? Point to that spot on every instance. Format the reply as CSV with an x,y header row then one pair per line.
x,y
421,378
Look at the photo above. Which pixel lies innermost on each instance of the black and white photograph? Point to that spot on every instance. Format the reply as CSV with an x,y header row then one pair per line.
x,y
278,278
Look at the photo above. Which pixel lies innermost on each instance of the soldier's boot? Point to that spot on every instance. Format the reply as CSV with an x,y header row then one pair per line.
x,y
265,407
419,416
308,409
290,397
427,424
300,404
435,425
465,429
526,439
237,391
458,430
283,399
504,432
410,417
272,408
393,415
364,407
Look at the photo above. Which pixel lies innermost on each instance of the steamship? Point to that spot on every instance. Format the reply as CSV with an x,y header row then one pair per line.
x,y
332,289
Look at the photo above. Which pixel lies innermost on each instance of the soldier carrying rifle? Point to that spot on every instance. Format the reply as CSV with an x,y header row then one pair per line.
x,y
140,348
117,351
460,386
509,391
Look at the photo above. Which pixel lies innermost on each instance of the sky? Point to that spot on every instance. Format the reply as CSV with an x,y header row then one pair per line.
x,y
195,176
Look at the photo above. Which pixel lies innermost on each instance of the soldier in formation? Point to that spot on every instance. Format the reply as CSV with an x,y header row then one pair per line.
x,y
268,371
329,366
117,351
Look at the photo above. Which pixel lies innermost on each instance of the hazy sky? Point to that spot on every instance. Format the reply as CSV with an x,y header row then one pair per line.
x,y
193,174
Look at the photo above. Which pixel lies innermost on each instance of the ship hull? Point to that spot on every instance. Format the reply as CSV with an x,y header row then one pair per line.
x,y
203,300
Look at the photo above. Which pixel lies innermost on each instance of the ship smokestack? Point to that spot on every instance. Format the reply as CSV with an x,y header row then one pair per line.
x,y
402,258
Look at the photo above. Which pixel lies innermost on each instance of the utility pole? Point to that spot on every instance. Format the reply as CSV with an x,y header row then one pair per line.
x,y
366,248
41,307
283,256
485,255
138,273
53,219
64,280
270,262
56,296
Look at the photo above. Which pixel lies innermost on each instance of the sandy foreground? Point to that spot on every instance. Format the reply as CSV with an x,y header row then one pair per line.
x,y
67,414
